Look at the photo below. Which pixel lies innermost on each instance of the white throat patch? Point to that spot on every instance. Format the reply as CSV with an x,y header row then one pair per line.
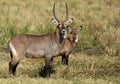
x,y
65,36
76,40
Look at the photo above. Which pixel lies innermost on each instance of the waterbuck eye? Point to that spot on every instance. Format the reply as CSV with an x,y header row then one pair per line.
x,y
59,25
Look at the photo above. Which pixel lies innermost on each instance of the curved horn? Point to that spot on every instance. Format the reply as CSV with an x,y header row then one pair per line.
x,y
66,11
54,11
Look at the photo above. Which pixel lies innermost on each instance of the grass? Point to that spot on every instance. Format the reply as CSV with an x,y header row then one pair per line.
x,y
83,69
96,57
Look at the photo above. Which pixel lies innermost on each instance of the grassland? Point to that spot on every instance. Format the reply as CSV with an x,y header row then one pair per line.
x,y
96,59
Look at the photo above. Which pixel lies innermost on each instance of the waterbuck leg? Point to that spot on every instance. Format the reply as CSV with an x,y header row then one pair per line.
x,y
63,58
48,67
66,59
51,63
13,65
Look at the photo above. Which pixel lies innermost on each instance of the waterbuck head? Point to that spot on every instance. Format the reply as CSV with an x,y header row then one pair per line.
x,y
74,33
62,25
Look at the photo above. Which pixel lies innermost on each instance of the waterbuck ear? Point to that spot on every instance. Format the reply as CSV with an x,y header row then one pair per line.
x,y
69,29
79,28
54,21
68,22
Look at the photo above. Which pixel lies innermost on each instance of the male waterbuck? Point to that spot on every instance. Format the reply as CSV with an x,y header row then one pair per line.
x,y
46,46
70,44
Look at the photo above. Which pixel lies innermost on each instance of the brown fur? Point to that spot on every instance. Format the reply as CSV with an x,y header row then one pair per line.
x,y
69,45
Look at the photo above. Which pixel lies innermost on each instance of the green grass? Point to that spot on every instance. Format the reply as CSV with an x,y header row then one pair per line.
x,y
96,57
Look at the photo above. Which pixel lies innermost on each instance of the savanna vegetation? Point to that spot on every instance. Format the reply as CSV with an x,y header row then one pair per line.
x,y
96,58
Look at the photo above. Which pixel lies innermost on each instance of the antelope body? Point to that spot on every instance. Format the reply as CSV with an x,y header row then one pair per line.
x,y
46,46
69,44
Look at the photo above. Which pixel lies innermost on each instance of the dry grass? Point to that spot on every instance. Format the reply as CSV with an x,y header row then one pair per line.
x,y
82,69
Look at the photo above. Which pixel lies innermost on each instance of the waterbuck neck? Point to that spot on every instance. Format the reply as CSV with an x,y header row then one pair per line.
x,y
59,38
72,41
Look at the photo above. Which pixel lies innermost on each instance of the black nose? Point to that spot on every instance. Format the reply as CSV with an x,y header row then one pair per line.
x,y
63,31
74,36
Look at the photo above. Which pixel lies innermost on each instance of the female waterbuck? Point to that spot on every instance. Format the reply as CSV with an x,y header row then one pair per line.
x,y
70,43
46,46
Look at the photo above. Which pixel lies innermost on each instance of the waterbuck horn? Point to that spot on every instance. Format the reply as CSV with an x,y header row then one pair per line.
x,y
54,12
66,11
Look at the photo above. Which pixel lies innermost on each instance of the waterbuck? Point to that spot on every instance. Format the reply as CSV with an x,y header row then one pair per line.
x,y
70,44
46,46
